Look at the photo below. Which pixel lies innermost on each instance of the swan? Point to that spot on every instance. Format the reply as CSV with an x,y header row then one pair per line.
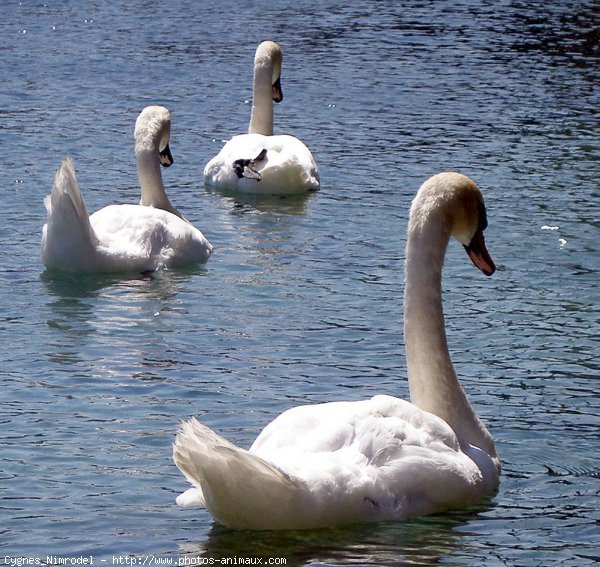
x,y
379,459
122,238
259,162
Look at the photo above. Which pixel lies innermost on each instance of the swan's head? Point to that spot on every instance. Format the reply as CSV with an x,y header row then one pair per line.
x,y
152,133
458,201
269,56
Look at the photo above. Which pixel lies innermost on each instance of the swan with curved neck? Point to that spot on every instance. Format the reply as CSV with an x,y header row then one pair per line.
x,y
122,238
266,87
152,134
378,459
259,161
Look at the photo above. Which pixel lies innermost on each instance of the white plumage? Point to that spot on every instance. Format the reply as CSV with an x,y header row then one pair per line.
x,y
122,238
378,459
260,162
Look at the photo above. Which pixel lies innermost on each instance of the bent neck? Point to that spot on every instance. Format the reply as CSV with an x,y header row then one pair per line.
x,y
434,386
261,118
151,183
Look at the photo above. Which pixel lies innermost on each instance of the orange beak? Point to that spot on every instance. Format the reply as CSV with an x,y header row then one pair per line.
x,y
479,254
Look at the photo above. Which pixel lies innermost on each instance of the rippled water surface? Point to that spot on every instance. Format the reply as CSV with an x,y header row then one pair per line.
x,y
302,299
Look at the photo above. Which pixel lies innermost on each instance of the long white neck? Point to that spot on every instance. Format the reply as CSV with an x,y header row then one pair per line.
x,y
151,183
261,119
434,386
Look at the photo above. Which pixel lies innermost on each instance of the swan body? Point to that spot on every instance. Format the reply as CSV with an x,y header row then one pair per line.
x,y
122,238
379,459
260,162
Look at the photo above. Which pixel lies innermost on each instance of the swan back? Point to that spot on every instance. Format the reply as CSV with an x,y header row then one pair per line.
x,y
287,168
330,464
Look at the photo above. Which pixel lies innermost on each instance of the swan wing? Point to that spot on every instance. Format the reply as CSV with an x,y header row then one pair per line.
x,y
376,459
145,238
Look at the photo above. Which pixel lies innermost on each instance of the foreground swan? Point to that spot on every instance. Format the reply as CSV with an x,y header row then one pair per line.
x,y
378,459
123,238
259,162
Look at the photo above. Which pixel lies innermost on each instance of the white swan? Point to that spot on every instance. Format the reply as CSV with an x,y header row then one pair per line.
x,y
379,459
259,162
122,238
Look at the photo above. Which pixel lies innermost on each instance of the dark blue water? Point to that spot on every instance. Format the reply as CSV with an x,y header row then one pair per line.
x,y
302,299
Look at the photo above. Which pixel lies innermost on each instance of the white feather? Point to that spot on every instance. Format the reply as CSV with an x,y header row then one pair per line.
x,y
378,459
288,167
121,238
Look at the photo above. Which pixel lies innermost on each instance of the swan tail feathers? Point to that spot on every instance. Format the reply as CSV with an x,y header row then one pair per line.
x,y
68,235
66,196
240,490
191,497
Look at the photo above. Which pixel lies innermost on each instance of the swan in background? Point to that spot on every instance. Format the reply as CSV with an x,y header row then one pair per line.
x,y
123,238
259,162
378,459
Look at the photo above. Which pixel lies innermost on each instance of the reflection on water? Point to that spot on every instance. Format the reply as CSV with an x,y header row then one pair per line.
x,y
88,312
277,204
422,541
160,286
